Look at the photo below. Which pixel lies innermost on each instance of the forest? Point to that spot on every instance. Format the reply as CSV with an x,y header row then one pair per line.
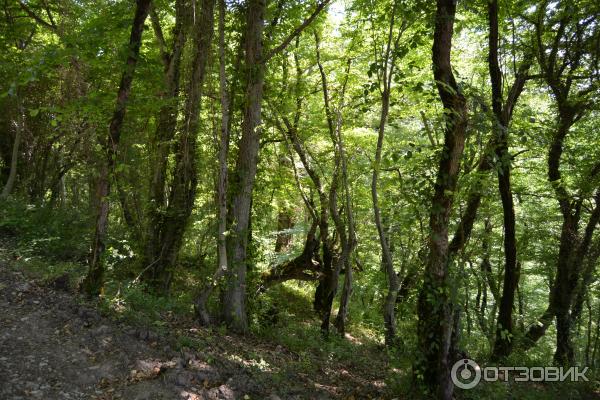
x,y
318,199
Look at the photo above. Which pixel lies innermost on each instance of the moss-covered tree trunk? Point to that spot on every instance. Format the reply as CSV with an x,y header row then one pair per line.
x,y
94,280
165,132
242,182
18,123
183,186
222,181
435,308
502,111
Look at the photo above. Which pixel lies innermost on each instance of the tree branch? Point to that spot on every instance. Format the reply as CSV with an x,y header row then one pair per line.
x,y
164,53
37,18
296,32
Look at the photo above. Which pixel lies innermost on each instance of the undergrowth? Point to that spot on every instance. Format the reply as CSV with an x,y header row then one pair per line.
x,y
285,336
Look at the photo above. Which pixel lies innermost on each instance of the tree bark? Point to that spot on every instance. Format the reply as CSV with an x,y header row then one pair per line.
x,y
223,264
94,279
183,187
435,310
347,233
164,133
581,290
320,215
572,103
389,306
502,115
597,339
573,249
328,287
588,344
321,297
242,184
14,159
572,253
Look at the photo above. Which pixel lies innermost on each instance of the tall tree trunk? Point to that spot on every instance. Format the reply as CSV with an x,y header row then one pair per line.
x,y
234,299
572,103
521,302
389,306
581,291
505,328
347,234
569,280
485,164
129,216
502,115
564,354
343,310
94,280
222,267
573,248
588,344
597,339
435,309
467,309
328,286
164,133
322,293
12,175
185,180
572,279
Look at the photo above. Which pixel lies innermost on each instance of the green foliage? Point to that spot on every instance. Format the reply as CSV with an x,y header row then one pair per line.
x,y
53,234
134,303
59,86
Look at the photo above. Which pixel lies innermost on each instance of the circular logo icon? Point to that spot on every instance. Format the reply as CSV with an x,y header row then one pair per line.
x,y
465,373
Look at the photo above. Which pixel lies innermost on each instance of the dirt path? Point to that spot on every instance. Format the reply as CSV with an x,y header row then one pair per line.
x,y
51,347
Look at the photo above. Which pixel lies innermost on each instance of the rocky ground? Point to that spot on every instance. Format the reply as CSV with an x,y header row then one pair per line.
x,y
56,345
53,346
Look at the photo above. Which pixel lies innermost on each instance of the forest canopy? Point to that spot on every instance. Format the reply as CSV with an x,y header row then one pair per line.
x,y
421,175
